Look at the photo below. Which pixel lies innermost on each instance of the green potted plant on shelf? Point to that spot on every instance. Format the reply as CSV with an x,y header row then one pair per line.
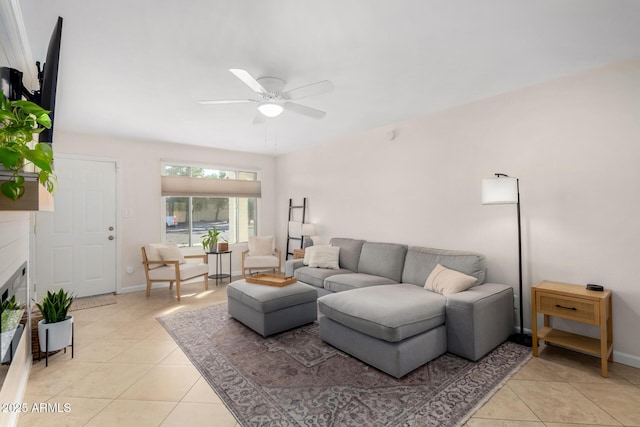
x,y
20,121
213,241
54,309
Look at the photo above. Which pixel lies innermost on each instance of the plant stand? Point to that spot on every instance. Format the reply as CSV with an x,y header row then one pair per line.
x,y
219,275
46,348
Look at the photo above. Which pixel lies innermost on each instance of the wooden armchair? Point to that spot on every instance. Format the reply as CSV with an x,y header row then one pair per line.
x,y
261,255
165,263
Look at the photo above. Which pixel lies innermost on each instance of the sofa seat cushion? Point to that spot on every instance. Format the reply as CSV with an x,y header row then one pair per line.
x,y
316,276
346,282
267,299
388,312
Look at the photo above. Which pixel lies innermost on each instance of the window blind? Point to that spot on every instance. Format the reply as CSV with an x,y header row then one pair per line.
x,y
184,186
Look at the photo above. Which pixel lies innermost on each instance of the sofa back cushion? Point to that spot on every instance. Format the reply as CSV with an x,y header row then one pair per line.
x,y
383,259
349,252
421,261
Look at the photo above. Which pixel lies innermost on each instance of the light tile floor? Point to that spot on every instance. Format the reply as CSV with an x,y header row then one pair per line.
x,y
127,371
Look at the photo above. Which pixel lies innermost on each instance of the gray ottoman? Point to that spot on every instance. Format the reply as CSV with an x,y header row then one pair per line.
x,y
270,309
396,328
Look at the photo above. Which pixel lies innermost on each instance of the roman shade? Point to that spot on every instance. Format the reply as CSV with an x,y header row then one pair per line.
x,y
184,186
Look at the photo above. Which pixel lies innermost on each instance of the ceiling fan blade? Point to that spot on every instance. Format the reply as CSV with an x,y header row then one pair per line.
x,y
304,110
226,101
259,119
309,90
248,80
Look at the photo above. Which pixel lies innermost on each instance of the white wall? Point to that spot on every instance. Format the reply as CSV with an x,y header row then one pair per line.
x,y
14,244
140,217
15,232
14,251
572,142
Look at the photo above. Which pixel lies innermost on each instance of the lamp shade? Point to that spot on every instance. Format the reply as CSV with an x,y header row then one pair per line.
x,y
500,190
270,109
308,229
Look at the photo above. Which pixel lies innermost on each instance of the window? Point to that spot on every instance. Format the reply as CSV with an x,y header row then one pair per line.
x,y
188,218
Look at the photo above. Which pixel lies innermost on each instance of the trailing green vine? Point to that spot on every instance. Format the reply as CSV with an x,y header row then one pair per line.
x,y
19,122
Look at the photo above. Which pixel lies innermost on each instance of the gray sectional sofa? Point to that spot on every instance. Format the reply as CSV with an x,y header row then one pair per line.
x,y
375,308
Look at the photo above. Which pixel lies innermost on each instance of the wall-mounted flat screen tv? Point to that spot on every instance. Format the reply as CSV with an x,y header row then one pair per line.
x,y
49,79
11,83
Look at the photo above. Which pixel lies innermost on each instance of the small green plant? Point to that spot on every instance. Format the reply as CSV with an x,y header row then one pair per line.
x,y
210,240
19,122
10,304
11,312
55,306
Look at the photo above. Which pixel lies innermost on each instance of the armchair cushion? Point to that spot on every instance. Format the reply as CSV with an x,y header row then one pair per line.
x,y
187,271
260,255
170,252
169,249
153,255
266,261
260,245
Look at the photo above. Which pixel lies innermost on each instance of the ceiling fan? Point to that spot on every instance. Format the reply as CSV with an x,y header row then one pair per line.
x,y
272,98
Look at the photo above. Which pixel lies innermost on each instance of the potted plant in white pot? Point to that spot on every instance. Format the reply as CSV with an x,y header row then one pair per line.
x,y
213,241
56,327
20,121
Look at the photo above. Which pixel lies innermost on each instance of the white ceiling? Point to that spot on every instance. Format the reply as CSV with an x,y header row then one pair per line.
x,y
135,68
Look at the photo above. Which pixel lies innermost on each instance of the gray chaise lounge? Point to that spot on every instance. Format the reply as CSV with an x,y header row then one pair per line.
x,y
375,308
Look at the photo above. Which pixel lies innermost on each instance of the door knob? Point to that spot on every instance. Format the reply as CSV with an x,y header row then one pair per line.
x,y
110,237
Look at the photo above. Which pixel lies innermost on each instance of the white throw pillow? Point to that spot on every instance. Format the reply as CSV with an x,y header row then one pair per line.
x,y
309,250
325,257
170,252
448,282
153,254
260,245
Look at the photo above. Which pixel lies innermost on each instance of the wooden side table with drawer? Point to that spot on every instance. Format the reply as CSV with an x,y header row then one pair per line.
x,y
573,302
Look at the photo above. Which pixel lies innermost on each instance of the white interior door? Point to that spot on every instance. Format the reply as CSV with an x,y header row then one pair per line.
x,y
76,247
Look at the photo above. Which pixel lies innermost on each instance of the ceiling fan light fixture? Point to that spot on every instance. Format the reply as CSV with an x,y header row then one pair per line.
x,y
270,109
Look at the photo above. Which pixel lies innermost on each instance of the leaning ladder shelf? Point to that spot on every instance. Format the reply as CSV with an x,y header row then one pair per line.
x,y
292,208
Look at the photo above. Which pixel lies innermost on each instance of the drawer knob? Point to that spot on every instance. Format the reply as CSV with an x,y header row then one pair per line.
x,y
566,308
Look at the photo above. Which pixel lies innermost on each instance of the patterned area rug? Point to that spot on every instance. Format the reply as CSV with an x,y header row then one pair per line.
x,y
295,379
91,302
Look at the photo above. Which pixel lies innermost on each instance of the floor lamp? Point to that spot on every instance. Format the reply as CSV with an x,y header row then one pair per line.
x,y
506,190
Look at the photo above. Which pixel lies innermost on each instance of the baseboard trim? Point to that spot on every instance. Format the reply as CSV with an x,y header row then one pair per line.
x,y
143,287
626,359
